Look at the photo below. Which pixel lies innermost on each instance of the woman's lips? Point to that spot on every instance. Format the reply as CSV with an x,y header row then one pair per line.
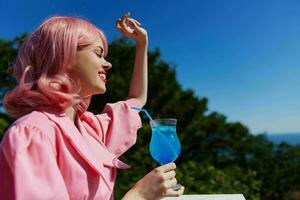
x,y
102,77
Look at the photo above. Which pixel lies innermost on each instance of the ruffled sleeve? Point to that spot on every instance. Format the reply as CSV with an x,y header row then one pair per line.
x,y
28,167
119,124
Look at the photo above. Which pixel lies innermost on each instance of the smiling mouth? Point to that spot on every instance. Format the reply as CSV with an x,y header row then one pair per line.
x,y
102,77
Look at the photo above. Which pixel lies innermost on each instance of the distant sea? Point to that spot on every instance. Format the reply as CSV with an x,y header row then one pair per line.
x,y
290,138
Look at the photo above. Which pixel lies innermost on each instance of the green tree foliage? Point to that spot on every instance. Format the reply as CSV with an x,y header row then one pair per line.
x,y
217,156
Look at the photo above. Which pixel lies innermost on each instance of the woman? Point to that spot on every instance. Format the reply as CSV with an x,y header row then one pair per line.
x,y
56,149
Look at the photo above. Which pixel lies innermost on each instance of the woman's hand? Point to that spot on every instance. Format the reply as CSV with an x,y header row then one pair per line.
x,y
131,28
158,184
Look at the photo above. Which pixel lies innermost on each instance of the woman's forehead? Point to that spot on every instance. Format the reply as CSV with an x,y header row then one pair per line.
x,y
98,43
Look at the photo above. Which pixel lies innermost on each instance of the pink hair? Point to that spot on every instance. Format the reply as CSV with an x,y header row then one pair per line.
x,y
43,63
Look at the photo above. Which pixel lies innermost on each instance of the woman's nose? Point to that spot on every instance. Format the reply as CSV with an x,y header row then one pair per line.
x,y
107,66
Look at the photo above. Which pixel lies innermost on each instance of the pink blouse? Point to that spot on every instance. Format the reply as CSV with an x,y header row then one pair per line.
x,y
45,156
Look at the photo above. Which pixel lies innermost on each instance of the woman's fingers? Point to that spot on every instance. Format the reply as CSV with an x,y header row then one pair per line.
x,y
172,193
127,23
118,24
167,167
126,14
169,183
121,24
130,23
125,28
134,20
169,175
134,26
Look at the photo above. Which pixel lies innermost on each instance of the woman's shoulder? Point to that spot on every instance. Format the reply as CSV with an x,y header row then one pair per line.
x,y
34,124
28,136
34,119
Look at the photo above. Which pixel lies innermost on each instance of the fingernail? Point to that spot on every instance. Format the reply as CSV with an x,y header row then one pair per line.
x,y
126,15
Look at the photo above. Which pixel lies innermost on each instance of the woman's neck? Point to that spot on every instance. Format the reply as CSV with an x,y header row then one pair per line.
x,y
71,113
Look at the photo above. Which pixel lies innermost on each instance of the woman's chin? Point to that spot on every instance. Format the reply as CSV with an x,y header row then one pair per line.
x,y
101,90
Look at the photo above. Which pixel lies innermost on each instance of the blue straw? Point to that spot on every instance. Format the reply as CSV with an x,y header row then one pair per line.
x,y
147,114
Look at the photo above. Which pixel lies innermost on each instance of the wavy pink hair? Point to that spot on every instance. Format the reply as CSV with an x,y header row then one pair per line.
x,y
43,63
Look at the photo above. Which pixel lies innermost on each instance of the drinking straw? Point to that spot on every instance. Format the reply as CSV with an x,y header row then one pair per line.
x,y
147,114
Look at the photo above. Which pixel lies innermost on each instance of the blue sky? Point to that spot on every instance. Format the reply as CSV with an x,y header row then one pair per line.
x,y
242,55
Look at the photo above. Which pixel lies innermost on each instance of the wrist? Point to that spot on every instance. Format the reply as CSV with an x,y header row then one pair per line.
x,y
143,43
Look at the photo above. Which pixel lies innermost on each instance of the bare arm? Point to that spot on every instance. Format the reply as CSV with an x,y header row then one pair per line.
x,y
139,81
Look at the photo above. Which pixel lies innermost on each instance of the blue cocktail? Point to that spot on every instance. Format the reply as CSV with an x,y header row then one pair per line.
x,y
164,145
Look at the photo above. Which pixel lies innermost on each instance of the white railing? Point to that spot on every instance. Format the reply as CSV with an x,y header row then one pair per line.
x,y
208,197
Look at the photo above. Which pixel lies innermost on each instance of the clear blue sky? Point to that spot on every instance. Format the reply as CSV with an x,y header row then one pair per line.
x,y
243,55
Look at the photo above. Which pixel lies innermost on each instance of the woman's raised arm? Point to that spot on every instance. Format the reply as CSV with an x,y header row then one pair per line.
x,y
131,28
